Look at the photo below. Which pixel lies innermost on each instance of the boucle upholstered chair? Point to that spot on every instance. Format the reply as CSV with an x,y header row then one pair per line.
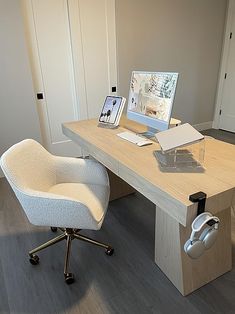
x,y
68,193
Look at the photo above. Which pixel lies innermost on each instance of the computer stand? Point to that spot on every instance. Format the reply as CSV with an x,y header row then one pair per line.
x,y
149,134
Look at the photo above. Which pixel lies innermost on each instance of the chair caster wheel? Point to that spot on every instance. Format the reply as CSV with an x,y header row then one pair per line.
x,y
109,251
69,278
34,259
53,229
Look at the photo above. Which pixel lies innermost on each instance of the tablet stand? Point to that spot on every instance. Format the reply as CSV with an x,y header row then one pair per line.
x,y
107,126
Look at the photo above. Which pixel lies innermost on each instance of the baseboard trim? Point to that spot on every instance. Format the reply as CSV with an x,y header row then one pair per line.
x,y
203,126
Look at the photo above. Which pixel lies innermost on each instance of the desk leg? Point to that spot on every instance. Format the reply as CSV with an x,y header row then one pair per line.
x,y
118,187
185,273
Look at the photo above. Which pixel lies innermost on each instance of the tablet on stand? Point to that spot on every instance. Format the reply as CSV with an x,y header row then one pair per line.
x,y
111,112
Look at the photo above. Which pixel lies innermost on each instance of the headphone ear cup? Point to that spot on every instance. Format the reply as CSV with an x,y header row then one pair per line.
x,y
208,237
194,249
186,245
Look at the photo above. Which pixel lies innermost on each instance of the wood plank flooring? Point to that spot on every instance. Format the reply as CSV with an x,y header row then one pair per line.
x,y
127,282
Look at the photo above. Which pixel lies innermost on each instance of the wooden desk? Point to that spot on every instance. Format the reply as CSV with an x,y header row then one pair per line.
x,y
170,192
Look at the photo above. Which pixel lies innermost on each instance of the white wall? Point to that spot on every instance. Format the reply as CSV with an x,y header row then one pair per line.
x,y
18,116
184,36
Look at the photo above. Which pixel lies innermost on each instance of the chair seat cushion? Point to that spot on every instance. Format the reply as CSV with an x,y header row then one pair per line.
x,y
94,196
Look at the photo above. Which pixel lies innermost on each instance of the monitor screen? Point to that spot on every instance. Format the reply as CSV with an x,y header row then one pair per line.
x,y
151,98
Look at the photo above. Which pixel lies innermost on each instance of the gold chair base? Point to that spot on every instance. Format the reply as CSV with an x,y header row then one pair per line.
x,y
68,234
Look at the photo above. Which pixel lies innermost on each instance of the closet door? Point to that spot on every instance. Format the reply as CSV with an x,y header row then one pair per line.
x,y
94,50
72,66
49,34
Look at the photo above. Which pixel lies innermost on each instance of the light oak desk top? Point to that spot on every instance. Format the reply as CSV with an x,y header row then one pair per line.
x,y
170,192
137,166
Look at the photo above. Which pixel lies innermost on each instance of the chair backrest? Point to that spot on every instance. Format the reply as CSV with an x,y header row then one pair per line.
x,y
28,166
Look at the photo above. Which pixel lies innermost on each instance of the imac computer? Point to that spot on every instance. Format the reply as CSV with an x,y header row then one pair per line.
x,y
151,99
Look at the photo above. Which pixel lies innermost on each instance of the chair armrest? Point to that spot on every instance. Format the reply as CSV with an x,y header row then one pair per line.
x,y
74,170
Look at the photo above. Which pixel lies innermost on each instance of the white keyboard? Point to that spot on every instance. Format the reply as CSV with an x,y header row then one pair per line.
x,y
135,139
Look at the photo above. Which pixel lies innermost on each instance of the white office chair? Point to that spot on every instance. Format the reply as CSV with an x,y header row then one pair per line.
x,y
68,193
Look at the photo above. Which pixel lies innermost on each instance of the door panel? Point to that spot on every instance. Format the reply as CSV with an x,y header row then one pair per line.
x,y
94,26
94,38
54,50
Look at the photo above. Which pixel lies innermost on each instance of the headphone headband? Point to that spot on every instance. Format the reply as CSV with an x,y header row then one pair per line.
x,y
201,221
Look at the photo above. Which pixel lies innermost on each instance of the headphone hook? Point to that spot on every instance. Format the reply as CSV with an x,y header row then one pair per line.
x,y
200,198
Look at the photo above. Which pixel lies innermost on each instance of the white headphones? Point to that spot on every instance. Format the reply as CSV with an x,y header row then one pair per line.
x,y
195,246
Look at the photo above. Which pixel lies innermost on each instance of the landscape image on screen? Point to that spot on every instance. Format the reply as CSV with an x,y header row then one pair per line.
x,y
152,94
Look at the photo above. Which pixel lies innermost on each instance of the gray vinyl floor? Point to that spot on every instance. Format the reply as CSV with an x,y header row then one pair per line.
x,y
127,282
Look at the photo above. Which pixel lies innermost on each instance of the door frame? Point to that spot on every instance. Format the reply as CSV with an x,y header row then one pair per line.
x,y
223,64
31,42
